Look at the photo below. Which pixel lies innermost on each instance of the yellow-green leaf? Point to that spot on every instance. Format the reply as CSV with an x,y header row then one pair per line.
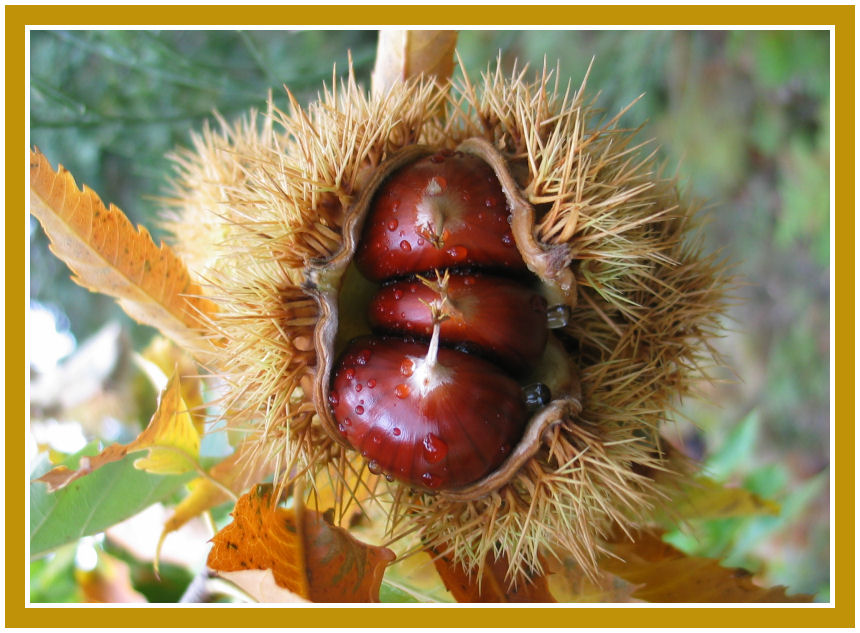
x,y
704,498
402,55
665,574
106,254
167,357
170,437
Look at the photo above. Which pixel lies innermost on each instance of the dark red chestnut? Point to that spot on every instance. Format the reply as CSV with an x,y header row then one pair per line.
x,y
444,211
498,317
433,418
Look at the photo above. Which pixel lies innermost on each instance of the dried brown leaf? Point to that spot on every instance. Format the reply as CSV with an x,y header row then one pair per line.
x,y
402,55
107,255
665,574
306,555
492,585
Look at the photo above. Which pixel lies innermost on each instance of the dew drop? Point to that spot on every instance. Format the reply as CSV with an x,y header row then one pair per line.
x,y
342,428
374,467
557,316
392,225
430,480
508,239
401,391
405,246
458,253
333,398
395,431
407,367
489,202
420,241
349,373
376,437
358,386
363,357
389,477
359,410
371,383
398,294
435,449
469,281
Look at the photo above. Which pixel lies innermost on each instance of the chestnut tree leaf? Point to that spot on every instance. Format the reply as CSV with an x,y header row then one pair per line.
x,y
170,437
94,503
402,55
492,585
106,254
665,574
306,555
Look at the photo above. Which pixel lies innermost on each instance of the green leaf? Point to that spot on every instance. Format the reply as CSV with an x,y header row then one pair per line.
x,y
95,502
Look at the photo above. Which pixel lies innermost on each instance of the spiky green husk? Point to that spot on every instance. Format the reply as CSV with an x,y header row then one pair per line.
x,y
255,204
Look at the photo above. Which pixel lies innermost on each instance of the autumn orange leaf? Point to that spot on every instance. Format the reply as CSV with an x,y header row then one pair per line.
x,y
492,585
306,555
171,439
665,574
106,254
402,55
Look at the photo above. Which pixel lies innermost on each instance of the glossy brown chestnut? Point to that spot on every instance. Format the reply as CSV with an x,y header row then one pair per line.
x,y
445,211
435,424
500,318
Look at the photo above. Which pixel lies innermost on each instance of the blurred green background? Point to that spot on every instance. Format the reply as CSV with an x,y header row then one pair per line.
x,y
744,115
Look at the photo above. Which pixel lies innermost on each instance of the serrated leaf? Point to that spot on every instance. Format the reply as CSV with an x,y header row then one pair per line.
x,y
107,255
170,437
92,504
307,556
665,574
492,586
402,55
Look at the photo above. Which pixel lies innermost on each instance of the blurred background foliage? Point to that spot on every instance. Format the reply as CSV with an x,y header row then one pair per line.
x,y
744,115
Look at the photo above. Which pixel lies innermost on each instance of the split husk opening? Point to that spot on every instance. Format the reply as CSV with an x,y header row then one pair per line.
x,y
263,203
